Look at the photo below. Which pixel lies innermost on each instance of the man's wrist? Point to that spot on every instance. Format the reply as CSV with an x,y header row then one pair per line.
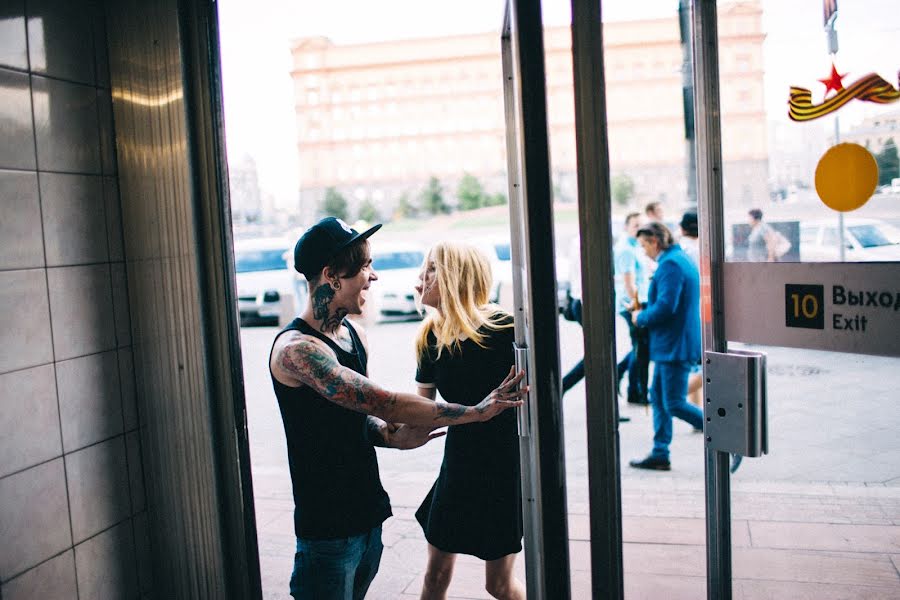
x,y
375,431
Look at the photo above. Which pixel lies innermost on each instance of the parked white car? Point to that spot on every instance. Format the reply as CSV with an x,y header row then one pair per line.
x,y
864,239
264,280
397,266
498,250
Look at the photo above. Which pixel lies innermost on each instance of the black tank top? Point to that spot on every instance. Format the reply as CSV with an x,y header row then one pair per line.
x,y
334,470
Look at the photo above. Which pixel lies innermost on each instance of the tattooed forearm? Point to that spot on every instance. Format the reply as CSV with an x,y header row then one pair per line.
x,y
317,368
449,411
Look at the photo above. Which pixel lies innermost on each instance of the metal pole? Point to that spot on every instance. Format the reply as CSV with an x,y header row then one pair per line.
x,y
712,258
528,444
832,42
548,569
687,92
843,249
594,215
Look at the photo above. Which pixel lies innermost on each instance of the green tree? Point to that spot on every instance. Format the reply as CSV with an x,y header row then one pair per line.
x,y
888,163
406,209
368,212
622,189
334,204
470,193
498,199
432,198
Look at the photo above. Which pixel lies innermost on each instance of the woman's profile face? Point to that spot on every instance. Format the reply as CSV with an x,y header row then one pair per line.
x,y
428,286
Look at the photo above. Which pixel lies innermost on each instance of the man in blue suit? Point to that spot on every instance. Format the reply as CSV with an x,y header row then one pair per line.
x,y
673,318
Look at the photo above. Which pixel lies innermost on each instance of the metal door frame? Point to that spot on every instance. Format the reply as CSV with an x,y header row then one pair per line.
x,y
531,217
542,448
710,213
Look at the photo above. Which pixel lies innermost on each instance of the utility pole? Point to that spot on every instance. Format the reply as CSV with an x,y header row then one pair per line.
x,y
687,92
830,14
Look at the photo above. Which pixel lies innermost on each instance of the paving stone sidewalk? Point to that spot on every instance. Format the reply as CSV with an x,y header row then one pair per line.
x,y
817,519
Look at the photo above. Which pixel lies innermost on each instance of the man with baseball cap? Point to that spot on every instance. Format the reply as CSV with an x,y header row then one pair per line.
x,y
333,415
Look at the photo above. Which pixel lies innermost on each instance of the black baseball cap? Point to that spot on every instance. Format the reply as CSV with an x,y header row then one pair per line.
x,y
689,221
321,242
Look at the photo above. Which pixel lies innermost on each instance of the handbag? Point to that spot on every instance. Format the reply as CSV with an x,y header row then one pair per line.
x,y
780,244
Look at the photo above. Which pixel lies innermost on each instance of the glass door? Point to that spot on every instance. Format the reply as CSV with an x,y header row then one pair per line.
x,y
798,125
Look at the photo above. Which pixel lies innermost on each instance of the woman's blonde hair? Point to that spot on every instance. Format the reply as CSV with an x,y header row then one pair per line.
x,y
464,280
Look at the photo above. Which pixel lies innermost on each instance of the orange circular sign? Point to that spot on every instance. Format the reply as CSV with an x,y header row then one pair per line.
x,y
846,177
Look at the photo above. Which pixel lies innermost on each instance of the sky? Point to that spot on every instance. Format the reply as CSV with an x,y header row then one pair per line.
x,y
256,63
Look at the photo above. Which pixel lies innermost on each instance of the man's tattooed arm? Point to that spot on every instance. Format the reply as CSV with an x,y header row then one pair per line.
x,y
314,364
321,301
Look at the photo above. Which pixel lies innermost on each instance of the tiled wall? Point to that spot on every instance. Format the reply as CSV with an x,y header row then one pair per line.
x,y
73,520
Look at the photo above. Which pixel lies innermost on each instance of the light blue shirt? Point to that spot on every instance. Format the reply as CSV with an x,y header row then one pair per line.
x,y
628,259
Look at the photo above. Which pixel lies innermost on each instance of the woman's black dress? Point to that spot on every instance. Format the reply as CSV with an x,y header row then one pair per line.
x,y
474,507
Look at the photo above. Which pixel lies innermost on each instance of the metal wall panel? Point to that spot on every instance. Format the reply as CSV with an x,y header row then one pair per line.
x,y
163,69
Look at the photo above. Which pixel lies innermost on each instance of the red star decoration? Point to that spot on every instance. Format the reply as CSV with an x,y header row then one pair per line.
x,y
834,81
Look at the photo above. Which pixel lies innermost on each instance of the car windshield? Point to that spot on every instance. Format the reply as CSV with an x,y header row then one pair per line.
x,y
397,260
248,261
870,236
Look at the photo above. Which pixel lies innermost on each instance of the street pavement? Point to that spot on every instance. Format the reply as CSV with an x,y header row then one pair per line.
x,y
817,518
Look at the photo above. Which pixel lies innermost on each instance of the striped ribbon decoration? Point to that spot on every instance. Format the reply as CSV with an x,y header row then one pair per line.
x,y
870,88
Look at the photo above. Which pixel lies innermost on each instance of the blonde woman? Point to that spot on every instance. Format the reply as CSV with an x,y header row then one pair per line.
x,y
465,345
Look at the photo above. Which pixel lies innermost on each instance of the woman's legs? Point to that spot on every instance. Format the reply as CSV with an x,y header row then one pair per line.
x,y
500,581
438,574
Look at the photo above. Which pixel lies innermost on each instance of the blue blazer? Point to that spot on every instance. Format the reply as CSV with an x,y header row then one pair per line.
x,y
673,308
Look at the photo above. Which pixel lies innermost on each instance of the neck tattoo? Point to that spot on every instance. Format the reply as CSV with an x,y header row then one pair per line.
x,y
321,299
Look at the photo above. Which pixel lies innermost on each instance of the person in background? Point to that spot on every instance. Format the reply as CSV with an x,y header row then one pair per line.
x,y
760,242
673,317
464,347
654,212
631,294
576,373
333,415
689,242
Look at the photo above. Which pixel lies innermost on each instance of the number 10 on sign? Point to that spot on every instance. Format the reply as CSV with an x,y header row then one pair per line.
x,y
804,306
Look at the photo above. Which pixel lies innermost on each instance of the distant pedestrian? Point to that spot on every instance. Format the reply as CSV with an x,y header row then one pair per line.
x,y
631,282
576,373
654,212
673,318
464,348
690,243
761,243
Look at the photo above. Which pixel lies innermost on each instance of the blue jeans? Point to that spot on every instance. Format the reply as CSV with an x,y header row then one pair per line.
x,y
668,397
340,569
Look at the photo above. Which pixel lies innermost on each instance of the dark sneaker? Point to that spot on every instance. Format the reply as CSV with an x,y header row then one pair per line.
x,y
653,463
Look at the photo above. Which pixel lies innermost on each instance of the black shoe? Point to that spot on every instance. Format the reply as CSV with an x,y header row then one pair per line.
x,y
638,400
653,463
